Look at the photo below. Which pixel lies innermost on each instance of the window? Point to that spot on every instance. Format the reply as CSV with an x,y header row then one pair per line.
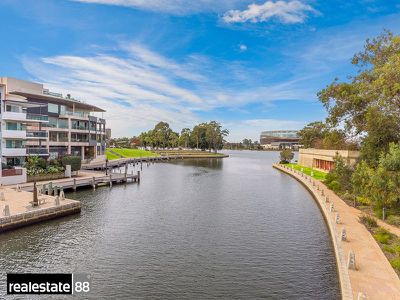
x,y
62,123
52,108
53,136
52,122
15,144
62,110
15,126
12,108
63,136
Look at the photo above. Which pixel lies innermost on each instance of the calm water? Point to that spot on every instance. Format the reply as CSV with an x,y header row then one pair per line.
x,y
194,229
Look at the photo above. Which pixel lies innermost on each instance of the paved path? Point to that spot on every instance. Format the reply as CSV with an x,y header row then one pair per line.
x,y
374,276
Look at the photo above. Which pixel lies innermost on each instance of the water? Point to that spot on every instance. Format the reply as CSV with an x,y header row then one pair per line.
x,y
193,229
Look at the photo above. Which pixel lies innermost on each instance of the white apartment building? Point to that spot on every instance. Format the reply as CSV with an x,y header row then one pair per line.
x,y
35,121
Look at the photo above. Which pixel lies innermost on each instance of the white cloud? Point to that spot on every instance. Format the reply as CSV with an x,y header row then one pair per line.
x,y
139,87
177,7
242,48
288,12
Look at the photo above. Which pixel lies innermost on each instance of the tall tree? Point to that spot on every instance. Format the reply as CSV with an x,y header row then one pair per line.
x,y
312,134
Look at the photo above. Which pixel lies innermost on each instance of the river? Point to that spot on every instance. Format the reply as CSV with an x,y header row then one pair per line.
x,y
232,228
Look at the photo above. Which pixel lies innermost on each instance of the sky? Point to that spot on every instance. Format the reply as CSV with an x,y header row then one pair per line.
x,y
250,65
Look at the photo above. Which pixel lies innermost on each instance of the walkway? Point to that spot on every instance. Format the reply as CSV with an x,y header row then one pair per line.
x,y
374,277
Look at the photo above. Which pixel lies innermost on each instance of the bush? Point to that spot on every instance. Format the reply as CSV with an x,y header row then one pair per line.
x,y
382,236
363,201
286,156
335,186
41,163
368,221
395,263
74,161
393,220
389,249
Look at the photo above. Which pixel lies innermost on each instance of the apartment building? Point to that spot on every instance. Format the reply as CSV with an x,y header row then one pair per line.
x,y
36,121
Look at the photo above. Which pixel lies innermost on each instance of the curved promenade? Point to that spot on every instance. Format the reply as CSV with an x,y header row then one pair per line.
x,y
374,277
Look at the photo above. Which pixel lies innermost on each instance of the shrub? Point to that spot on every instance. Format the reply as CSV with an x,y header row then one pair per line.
x,y
41,163
74,161
382,236
395,263
368,221
393,220
286,156
389,249
363,201
335,186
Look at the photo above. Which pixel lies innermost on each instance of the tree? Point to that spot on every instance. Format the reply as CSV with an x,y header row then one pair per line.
x,y
286,156
369,104
185,137
311,134
215,135
198,136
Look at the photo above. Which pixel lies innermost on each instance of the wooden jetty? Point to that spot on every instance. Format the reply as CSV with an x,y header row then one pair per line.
x,y
55,187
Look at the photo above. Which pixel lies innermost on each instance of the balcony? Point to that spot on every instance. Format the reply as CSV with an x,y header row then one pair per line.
x,y
14,134
14,116
37,151
37,135
14,152
37,117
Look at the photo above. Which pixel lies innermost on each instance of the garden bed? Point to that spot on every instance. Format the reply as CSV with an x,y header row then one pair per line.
x,y
44,177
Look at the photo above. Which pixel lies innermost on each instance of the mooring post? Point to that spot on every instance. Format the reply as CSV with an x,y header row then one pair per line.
x,y
94,182
74,187
138,176
110,181
50,190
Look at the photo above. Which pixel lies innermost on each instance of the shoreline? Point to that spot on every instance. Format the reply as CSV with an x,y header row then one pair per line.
x,y
374,276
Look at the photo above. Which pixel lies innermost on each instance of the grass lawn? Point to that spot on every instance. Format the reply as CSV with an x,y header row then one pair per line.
x,y
128,153
319,175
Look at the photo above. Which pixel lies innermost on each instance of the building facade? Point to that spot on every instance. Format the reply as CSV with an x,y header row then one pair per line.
x,y
35,121
325,159
279,139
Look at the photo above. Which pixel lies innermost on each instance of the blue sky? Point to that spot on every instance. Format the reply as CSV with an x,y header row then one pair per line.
x,y
251,65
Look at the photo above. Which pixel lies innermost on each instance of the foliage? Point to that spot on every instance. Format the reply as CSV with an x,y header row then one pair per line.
x,y
369,105
393,220
74,161
395,262
203,136
382,236
339,178
286,156
312,134
36,165
368,221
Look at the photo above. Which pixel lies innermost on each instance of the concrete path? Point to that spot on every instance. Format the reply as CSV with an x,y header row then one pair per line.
x,y
374,277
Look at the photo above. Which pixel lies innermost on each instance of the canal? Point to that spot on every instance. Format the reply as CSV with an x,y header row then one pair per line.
x,y
231,228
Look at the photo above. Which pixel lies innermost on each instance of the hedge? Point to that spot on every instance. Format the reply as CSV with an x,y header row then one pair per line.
x,y
74,161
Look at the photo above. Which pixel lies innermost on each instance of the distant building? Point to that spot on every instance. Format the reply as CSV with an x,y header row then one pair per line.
x,y
325,159
280,139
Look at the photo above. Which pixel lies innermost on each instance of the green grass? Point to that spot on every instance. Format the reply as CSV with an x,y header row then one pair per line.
x,y
319,175
111,156
128,153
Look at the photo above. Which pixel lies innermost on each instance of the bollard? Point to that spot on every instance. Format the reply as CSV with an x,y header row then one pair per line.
x,y
322,193
50,190
62,195
337,219
351,262
362,296
94,182
2,198
138,176
6,211
57,201
327,199
343,235
331,208
74,187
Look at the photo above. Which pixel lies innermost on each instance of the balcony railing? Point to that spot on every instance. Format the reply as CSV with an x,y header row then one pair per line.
x,y
36,151
36,134
37,117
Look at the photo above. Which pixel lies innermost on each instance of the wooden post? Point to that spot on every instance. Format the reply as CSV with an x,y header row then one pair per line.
x,y
110,181
74,187
138,176
50,191
94,182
